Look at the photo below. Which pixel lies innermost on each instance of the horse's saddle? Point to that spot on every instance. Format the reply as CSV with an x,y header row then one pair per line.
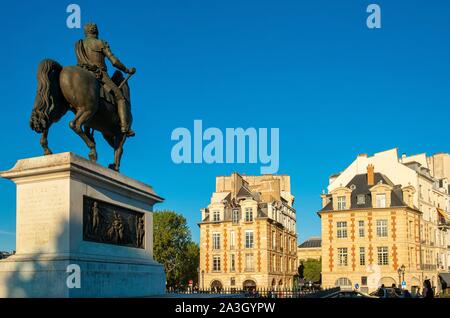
x,y
106,93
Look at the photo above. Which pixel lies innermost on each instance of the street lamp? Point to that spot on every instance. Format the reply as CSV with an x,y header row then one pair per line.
x,y
401,274
203,280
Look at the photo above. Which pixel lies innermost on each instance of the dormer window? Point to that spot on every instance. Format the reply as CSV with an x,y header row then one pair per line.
x,y
216,216
360,199
248,214
341,203
235,216
381,200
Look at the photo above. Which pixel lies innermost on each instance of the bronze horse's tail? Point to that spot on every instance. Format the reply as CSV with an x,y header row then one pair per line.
x,y
49,104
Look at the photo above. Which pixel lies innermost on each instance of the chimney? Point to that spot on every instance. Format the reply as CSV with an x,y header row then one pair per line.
x,y
370,175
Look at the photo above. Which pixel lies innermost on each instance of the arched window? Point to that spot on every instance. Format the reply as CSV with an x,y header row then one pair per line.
x,y
343,282
387,281
216,286
249,285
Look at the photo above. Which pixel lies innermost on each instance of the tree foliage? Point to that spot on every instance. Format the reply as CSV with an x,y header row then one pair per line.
x,y
173,247
311,270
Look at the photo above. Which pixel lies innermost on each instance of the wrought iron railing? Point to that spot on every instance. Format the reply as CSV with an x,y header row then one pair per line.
x,y
257,293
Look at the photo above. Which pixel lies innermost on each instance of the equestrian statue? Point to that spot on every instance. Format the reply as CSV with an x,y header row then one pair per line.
x,y
98,101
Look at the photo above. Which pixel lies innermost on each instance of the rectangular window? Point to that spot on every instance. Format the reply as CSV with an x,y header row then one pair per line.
x,y
341,203
383,255
342,256
249,262
248,214
341,229
248,239
232,240
361,230
216,263
381,200
362,256
382,230
216,241
235,216
363,280
232,262
216,216
274,240
360,199
233,281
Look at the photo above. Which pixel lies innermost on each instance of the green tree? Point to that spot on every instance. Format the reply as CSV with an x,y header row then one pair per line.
x,y
173,247
191,264
312,269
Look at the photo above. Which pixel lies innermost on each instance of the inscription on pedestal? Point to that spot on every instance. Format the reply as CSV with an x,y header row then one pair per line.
x,y
111,224
39,210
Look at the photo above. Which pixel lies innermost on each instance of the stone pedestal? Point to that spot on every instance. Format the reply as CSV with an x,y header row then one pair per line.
x,y
60,229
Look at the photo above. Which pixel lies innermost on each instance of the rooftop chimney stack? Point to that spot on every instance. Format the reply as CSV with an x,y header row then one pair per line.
x,y
370,175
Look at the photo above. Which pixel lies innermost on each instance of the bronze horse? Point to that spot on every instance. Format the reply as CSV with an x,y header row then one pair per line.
x,y
77,89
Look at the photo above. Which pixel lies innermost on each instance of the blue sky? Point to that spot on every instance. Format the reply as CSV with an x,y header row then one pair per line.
x,y
311,68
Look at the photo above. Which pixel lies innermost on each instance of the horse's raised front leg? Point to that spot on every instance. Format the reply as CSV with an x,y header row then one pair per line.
x,y
44,142
76,124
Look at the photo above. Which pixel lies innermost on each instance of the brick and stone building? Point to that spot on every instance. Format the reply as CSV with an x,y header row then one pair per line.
x,y
248,234
385,220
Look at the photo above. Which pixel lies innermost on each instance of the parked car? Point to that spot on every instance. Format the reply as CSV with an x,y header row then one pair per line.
x,y
391,292
352,294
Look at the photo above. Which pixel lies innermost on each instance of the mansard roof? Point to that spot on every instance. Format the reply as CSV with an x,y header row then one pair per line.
x,y
359,188
311,243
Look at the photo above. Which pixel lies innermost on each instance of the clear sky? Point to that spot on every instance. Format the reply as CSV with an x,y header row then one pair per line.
x,y
311,68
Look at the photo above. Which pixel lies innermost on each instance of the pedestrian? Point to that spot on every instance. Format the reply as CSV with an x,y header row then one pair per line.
x,y
427,289
381,291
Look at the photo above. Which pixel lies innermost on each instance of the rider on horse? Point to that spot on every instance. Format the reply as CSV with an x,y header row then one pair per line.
x,y
91,53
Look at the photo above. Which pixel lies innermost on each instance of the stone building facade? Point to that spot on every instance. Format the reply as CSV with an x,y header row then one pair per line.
x,y
248,234
310,249
385,220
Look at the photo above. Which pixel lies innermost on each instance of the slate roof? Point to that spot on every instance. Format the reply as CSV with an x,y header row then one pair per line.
x,y
360,188
311,242
244,192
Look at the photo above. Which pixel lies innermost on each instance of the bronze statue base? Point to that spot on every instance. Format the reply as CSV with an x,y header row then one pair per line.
x,y
79,222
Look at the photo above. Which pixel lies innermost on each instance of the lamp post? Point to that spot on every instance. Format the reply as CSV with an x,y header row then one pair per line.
x,y
203,280
401,274
198,279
